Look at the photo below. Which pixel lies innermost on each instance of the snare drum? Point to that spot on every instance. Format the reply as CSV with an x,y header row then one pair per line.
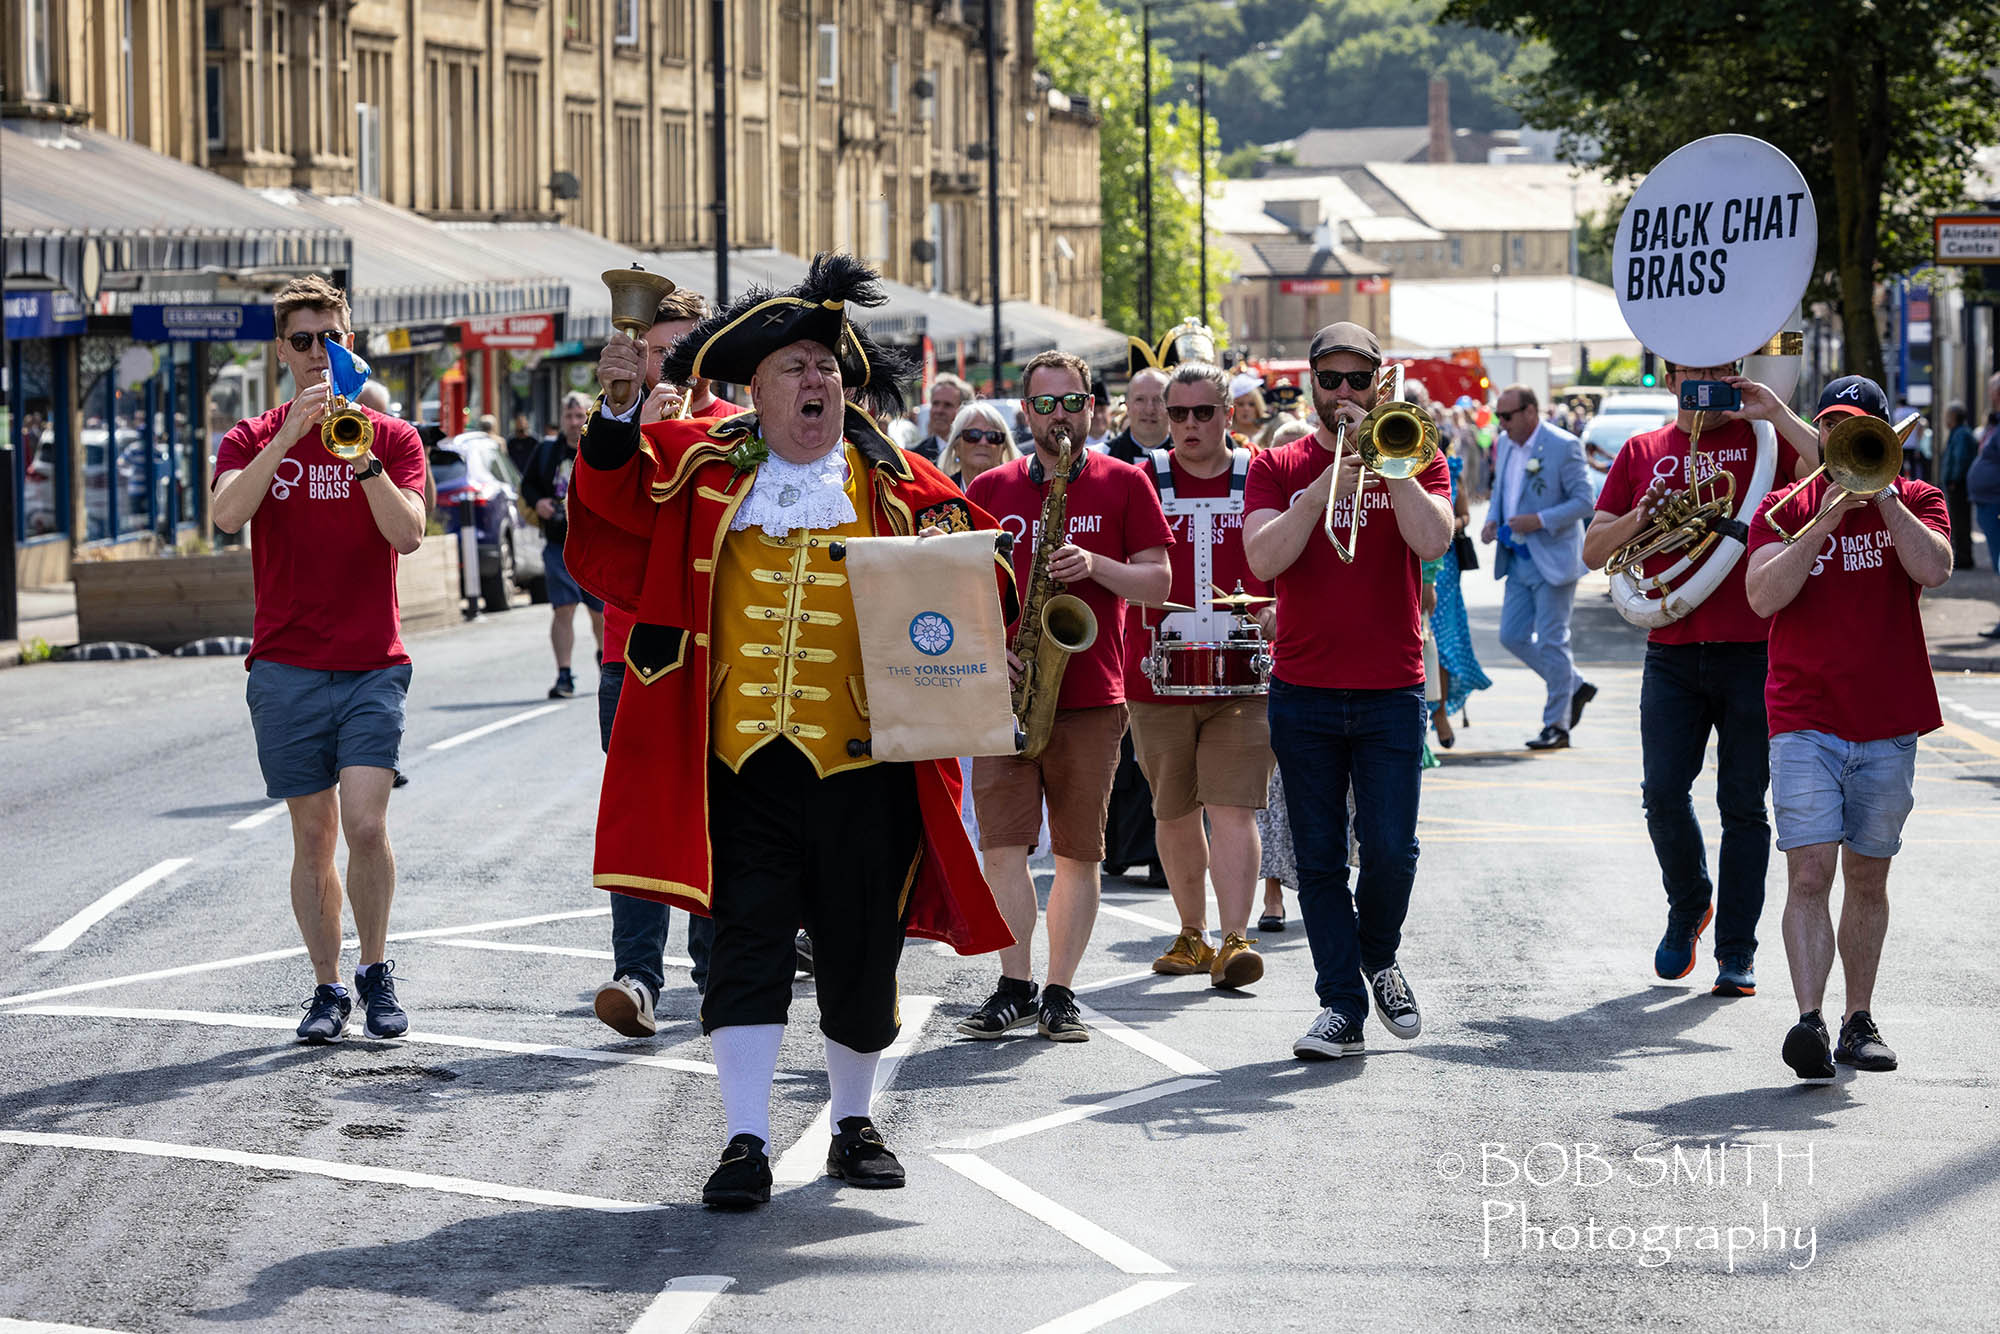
x,y
1240,665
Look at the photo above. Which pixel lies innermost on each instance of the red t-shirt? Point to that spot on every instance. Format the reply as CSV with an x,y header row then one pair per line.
x,y
618,624
1231,568
325,576
1342,626
1113,511
1724,616
1848,654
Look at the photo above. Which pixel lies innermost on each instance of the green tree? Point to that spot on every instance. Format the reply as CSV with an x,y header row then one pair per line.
x,y
1881,103
1087,46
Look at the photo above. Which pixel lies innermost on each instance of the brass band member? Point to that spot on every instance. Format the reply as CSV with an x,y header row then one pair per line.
x,y
1704,673
1347,693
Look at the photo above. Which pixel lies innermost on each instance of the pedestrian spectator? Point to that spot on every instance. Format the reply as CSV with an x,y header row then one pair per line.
x,y
1100,421
1982,486
1961,446
1145,426
949,395
1916,446
545,487
979,441
328,672
1458,664
1844,725
489,424
1247,408
1541,497
521,444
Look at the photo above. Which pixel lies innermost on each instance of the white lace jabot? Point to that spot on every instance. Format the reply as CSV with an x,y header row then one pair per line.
x,y
784,496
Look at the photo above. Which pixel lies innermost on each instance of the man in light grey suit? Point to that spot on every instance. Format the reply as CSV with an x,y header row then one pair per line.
x,y
1541,498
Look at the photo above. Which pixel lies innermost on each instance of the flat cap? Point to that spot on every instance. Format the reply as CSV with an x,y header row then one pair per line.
x,y
1344,337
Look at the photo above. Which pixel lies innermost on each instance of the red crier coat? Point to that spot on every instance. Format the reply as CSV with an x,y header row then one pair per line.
x,y
645,538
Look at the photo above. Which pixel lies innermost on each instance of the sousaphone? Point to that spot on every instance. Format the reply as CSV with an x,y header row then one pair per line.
x,y
1712,257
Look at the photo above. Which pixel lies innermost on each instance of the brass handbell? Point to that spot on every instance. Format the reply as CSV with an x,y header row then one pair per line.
x,y
635,298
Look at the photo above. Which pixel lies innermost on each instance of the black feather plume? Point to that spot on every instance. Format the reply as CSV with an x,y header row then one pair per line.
x,y
838,276
679,366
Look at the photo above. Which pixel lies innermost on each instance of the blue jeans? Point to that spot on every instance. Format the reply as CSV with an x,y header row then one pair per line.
x,y
1988,519
1534,627
1324,739
1687,690
639,926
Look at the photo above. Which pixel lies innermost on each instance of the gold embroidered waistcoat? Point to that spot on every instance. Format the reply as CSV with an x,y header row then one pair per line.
x,y
787,655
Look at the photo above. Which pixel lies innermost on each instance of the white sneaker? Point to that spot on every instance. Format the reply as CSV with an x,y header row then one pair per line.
x,y
1396,1003
1332,1036
626,1005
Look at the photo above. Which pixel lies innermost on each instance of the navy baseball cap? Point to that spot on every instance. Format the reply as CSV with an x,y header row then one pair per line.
x,y
1853,396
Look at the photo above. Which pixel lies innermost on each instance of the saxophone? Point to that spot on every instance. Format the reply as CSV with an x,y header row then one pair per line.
x,y
1054,624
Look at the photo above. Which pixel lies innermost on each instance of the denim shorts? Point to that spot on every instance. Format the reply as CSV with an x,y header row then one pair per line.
x,y
563,590
312,724
1825,790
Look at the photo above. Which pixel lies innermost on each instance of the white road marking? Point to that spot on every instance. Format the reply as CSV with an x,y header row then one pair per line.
x,y
276,1162
1145,1046
1107,983
1113,910
676,1310
514,947
66,935
493,727
243,960
806,1159
1070,1115
45,1327
1042,1209
1119,1304
265,816
217,1019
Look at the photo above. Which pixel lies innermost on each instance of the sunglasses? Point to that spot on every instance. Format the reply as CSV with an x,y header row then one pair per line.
x,y
1205,412
302,342
978,437
1509,416
1044,404
1356,380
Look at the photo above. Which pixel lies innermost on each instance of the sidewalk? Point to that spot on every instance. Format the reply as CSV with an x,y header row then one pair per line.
x,y
48,614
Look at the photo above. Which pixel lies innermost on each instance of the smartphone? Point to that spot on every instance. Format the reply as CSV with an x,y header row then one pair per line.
x,y
1710,396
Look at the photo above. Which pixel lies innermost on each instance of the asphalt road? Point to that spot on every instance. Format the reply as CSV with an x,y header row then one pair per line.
x,y
169,1160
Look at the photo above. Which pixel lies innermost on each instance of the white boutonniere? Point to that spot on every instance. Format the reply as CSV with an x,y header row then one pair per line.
x,y
1532,466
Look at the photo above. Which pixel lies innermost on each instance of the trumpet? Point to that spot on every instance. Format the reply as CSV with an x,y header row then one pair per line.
x,y
346,431
1396,439
1863,455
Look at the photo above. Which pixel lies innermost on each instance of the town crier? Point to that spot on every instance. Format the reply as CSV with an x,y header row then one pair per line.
x,y
739,783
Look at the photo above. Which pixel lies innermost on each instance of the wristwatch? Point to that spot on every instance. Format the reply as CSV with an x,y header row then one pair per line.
x,y
374,469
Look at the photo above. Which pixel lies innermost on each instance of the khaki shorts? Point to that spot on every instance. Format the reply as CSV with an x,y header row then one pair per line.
x,y
1074,773
1207,753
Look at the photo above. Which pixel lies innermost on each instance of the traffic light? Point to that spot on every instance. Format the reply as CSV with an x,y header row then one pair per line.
x,y
1649,368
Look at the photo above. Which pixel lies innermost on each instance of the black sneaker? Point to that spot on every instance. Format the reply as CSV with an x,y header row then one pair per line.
x,y
802,946
1010,1006
377,986
1060,1020
1861,1044
1807,1048
859,1157
1395,1002
743,1179
1332,1036
326,1014
565,686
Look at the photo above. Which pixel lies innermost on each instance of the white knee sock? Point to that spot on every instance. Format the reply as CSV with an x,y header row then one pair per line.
x,y
746,1059
851,1074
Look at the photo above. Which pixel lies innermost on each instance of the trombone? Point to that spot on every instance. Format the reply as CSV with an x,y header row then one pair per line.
x,y
1862,455
1396,439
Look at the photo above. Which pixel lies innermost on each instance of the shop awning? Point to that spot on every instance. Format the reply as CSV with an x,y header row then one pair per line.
x,y
1508,312
575,257
1036,328
909,313
409,270
74,202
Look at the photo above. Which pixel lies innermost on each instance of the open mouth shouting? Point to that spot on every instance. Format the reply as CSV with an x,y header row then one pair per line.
x,y
813,408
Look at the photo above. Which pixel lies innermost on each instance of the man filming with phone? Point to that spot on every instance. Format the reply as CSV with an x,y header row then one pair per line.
x,y
1704,672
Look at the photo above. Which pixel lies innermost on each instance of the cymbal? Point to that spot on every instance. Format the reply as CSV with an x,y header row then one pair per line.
x,y
1241,600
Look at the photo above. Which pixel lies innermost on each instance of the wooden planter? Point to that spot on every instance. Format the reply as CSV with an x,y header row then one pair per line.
x,y
167,601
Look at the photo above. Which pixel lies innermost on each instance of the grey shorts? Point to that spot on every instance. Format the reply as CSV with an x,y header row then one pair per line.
x,y
312,724
563,590
1826,790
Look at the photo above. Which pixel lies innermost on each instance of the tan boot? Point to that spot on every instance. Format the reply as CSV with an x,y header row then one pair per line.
x,y
1236,964
1188,954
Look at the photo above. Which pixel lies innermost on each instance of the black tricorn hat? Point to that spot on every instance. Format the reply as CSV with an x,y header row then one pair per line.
x,y
728,347
880,389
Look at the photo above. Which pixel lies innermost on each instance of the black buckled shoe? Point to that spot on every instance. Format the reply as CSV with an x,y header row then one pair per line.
x,y
743,1179
859,1156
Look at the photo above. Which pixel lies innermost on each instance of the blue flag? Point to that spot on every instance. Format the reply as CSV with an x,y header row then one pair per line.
x,y
344,371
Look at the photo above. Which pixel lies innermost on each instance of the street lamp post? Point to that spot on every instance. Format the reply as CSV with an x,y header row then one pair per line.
x,y
1201,152
1496,307
1146,176
993,185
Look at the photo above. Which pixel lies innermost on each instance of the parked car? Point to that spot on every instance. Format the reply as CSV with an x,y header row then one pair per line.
x,y
472,469
1610,429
